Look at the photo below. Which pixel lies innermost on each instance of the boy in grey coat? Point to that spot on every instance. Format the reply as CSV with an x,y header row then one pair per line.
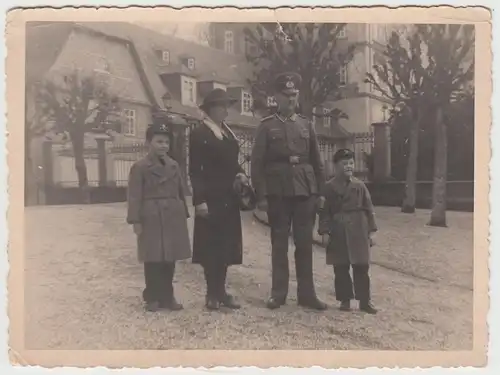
x,y
157,210
348,218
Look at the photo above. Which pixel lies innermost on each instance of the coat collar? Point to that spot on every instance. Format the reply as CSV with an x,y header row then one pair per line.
x,y
216,129
156,167
293,117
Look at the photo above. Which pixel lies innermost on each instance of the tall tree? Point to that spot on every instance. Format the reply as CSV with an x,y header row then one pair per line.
x,y
76,104
450,74
318,52
398,76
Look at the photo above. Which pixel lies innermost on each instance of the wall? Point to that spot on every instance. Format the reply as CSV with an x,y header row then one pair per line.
x,y
85,51
356,109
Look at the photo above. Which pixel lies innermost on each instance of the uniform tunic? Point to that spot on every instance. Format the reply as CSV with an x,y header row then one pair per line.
x,y
213,166
348,217
276,142
156,200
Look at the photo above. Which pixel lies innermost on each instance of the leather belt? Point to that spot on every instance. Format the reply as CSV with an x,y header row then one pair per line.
x,y
293,159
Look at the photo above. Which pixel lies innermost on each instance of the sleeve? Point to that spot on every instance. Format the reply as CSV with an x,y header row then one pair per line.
x,y
316,161
370,212
257,162
325,215
196,165
182,190
134,195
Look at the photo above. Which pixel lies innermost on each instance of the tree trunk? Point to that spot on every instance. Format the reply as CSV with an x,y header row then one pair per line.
x,y
411,169
80,166
438,214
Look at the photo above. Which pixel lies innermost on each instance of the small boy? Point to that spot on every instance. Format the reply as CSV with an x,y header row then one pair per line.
x,y
158,212
347,217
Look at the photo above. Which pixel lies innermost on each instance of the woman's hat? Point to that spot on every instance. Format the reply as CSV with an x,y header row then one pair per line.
x,y
217,97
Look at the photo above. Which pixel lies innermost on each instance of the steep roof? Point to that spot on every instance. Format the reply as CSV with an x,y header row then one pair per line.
x,y
44,43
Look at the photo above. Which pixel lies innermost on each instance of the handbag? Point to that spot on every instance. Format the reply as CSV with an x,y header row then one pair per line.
x,y
247,198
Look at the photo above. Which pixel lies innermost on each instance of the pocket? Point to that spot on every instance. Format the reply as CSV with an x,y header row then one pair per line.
x,y
276,135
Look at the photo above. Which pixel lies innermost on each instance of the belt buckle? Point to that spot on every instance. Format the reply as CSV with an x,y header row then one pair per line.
x,y
294,160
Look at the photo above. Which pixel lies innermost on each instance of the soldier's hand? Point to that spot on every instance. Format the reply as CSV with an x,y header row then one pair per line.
x,y
137,229
201,210
262,205
320,203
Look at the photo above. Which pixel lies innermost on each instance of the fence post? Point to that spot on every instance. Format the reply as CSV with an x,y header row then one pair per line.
x,y
110,164
101,161
47,171
381,151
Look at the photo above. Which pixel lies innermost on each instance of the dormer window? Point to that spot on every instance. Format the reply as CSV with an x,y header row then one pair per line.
x,y
102,65
190,63
342,33
165,57
246,103
271,101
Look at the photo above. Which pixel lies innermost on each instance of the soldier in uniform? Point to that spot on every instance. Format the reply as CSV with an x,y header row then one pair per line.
x,y
288,174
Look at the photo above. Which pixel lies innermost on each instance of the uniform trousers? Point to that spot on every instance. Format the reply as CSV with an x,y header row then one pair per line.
x,y
159,281
296,213
215,277
344,284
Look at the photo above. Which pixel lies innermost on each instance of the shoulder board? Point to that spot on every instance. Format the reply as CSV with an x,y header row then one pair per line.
x,y
266,118
302,116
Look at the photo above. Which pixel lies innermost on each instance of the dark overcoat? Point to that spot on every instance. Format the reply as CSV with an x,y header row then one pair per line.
x,y
213,166
156,200
348,217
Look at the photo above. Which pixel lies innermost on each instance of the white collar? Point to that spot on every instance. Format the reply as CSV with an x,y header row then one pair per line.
x,y
216,129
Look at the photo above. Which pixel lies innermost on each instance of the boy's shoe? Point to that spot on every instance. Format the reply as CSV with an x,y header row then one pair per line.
x,y
367,307
345,306
212,304
152,306
171,304
274,303
230,302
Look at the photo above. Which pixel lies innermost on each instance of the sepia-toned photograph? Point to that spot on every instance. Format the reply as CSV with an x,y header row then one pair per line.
x,y
220,183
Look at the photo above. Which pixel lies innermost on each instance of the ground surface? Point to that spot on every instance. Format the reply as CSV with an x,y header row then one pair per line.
x,y
83,290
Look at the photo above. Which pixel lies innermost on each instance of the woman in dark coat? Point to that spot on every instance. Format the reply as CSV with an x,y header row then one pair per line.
x,y
213,169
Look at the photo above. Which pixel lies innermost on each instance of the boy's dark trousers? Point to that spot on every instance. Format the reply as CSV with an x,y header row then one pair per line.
x,y
159,278
344,284
215,277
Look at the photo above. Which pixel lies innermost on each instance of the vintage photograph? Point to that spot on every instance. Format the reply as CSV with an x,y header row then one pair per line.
x,y
251,185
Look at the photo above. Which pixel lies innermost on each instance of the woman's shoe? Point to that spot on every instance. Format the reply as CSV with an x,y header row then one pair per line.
x,y
230,302
212,304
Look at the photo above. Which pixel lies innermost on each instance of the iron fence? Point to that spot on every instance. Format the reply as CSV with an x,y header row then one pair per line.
x,y
120,156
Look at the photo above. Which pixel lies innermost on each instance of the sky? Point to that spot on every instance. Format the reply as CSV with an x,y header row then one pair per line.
x,y
189,31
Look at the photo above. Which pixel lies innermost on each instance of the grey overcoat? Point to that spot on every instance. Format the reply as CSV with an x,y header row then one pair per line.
x,y
156,200
348,217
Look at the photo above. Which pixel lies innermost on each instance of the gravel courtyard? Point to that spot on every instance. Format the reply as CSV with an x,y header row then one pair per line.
x,y
83,290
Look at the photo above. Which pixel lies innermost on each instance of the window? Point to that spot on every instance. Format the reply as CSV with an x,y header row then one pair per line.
x,y
102,65
190,63
229,41
188,91
165,56
314,117
326,120
271,101
219,86
342,34
246,102
343,75
128,127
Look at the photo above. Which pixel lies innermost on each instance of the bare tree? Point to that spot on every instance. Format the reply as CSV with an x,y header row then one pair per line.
x,y
399,76
75,104
449,78
316,51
